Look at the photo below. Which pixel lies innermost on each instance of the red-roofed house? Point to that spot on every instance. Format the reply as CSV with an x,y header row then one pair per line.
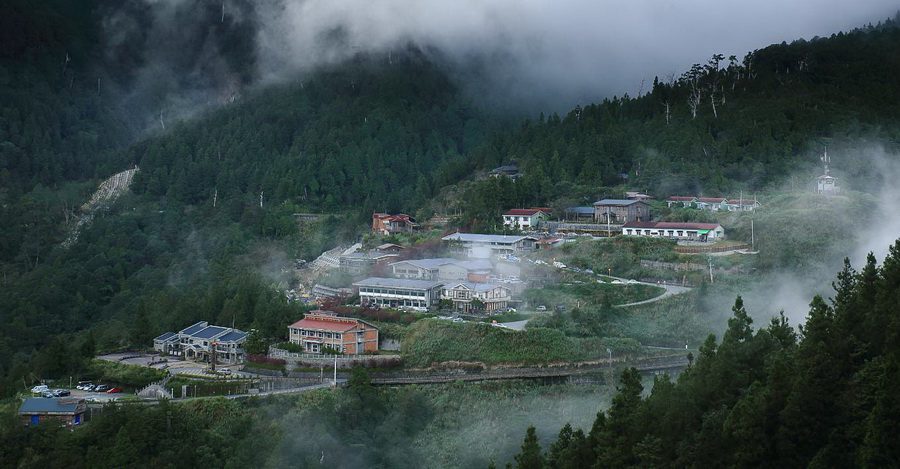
x,y
676,230
385,223
321,329
525,218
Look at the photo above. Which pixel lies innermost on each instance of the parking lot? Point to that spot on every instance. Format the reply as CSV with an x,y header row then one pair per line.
x,y
174,365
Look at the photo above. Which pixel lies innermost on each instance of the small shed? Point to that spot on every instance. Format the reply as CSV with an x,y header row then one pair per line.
x,y
67,411
580,214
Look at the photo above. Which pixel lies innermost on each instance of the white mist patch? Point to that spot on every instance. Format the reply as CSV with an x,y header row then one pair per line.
x,y
865,219
878,236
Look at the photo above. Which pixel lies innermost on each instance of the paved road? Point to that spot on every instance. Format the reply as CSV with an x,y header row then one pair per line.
x,y
515,325
173,365
671,290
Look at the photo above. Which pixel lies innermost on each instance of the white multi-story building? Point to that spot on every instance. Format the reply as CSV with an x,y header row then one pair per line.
x,y
493,298
443,268
399,293
199,341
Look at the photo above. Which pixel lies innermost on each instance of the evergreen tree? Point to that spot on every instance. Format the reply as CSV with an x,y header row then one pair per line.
x,y
530,456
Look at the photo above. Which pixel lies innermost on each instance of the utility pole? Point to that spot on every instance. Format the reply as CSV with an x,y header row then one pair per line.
x,y
608,234
215,197
709,260
260,199
334,383
752,238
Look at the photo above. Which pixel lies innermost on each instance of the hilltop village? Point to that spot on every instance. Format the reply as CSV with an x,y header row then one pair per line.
x,y
407,286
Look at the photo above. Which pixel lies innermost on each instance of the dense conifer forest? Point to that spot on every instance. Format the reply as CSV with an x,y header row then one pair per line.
x,y
821,395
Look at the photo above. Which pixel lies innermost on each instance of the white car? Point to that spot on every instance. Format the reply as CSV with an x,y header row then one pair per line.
x,y
40,388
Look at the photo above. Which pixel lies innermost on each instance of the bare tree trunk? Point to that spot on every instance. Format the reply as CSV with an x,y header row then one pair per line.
x,y
694,100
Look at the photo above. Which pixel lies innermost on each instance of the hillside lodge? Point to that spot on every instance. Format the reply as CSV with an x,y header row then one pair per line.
x,y
675,230
199,341
525,218
320,329
618,211
714,204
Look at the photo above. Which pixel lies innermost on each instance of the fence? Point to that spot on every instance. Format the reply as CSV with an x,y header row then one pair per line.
x,y
676,266
709,249
315,360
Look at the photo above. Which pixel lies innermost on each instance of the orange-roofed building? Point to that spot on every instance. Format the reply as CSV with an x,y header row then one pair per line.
x,y
321,329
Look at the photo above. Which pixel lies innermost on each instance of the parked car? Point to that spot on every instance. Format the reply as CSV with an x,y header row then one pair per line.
x,y
114,390
61,393
47,394
541,308
100,388
84,385
224,371
40,388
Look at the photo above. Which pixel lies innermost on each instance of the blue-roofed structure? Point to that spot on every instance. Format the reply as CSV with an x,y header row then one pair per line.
x,y
203,342
66,410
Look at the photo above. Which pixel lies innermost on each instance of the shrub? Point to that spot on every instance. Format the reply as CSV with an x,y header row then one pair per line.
x,y
132,376
290,347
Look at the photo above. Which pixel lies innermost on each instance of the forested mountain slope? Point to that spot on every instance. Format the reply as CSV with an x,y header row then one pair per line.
x,y
823,396
369,134
728,125
214,198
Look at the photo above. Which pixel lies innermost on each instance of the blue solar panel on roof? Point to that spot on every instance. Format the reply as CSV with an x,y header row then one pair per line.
x,y
209,332
233,336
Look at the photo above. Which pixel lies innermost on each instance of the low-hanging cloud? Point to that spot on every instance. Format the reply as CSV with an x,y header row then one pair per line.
x,y
175,57
543,53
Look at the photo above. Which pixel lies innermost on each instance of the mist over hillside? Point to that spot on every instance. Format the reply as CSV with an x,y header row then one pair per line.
x,y
173,58
261,134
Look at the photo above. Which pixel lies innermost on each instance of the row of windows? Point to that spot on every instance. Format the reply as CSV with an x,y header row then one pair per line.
x,y
388,291
384,302
324,335
680,233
